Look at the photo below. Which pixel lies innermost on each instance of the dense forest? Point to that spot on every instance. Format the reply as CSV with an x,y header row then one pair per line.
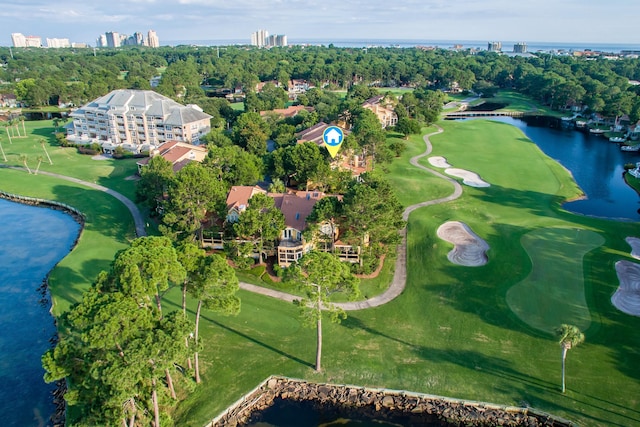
x,y
51,76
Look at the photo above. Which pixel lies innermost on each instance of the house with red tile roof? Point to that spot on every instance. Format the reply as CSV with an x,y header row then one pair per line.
x,y
177,153
295,207
285,113
383,110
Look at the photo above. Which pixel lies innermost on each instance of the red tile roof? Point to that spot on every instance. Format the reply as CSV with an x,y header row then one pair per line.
x,y
239,195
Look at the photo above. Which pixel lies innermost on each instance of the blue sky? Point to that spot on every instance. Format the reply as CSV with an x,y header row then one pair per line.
x,y
579,21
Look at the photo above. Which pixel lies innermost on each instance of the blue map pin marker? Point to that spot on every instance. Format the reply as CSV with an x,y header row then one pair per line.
x,y
333,137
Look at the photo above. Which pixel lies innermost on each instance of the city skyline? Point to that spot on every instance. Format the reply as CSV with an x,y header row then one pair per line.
x,y
175,20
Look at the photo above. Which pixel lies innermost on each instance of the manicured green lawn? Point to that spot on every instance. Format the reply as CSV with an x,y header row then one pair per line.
x,y
452,332
519,102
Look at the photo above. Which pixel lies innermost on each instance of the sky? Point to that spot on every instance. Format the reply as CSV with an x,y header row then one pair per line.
x,y
577,21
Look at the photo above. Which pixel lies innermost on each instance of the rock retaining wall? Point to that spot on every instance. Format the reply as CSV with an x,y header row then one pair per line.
x,y
412,409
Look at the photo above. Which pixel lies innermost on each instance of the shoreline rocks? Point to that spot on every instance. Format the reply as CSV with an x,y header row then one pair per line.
x,y
410,409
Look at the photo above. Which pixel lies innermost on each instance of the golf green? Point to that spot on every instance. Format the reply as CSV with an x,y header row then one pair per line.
x,y
553,293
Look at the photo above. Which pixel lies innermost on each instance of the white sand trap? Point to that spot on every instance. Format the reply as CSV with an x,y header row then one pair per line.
x,y
469,249
471,179
439,162
627,297
634,242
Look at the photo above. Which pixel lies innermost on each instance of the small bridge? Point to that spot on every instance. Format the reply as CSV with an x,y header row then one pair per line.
x,y
469,114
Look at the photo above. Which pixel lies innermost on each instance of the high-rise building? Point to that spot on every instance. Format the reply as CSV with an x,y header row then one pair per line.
x,y
101,41
58,43
276,40
113,39
259,38
494,46
520,48
18,40
152,39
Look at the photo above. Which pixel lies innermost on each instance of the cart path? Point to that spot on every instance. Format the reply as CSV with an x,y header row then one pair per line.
x,y
399,280
135,212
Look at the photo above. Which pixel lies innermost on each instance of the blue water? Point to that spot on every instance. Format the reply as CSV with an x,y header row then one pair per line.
x,y
507,46
34,240
596,164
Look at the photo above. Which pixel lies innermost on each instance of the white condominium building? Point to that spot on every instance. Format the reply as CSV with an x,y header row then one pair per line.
x,y
137,120
20,40
152,39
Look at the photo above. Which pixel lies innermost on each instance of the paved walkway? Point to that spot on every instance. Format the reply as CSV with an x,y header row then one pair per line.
x,y
399,280
135,212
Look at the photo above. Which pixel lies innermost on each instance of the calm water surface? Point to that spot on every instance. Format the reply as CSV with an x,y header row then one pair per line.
x,y
597,166
33,241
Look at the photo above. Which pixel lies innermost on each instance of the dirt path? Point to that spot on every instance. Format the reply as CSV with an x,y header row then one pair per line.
x,y
399,280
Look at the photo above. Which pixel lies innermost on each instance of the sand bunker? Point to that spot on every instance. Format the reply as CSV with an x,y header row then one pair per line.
x,y
627,297
471,179
439,162
469,249
634,242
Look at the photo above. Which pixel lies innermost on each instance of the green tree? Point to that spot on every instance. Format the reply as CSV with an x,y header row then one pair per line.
x,y
321,275
261,222
213,284
233,165
147,268
192,195
155,179
251,133
569,336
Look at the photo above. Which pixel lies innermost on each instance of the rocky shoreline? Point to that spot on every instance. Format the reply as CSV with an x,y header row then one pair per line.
x,y
409,409
59,416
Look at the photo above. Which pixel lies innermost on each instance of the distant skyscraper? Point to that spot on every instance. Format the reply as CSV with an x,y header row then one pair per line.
x,y
520,48
494,46
101,41
113,39
34,41
152,39
260,38
18,40
58,43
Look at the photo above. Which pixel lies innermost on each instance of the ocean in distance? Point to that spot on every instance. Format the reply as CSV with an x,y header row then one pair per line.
x,y
34,240
507,45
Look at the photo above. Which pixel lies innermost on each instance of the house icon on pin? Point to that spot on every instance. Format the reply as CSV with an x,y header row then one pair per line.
x,y
333,136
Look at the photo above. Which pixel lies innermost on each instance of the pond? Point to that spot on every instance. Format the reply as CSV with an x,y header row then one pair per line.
x,y
596,164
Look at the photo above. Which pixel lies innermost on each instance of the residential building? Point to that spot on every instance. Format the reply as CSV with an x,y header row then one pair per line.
x,y
314,134
152,39
18,40
179,154
520,48
259,38
383,110
113,39
58,43
137,120
297,86
238,200
494,46
8,100
101,41
285,113
295,207
277,40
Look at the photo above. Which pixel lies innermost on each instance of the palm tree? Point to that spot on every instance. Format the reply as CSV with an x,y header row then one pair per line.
x,y
42,142
56,124
569,337
23,158
40,158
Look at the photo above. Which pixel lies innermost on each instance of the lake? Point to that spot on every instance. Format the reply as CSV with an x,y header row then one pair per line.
x,y
34,240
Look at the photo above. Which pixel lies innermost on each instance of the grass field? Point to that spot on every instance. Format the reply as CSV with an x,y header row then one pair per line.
x,y
452,331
